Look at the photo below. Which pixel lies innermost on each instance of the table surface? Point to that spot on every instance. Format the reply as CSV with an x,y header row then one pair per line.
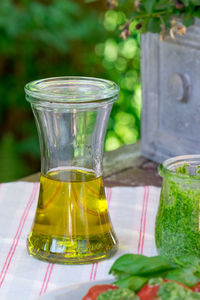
x,y
123,167
132,212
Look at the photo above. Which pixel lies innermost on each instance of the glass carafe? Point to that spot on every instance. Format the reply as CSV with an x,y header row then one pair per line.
x,y
72,223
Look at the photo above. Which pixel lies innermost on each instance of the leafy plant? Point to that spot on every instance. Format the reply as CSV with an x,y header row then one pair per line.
x,y
39,38
45,38
157,16
133,271
142,277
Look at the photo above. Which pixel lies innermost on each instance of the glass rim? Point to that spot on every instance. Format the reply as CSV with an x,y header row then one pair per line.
x,y
71,90
165,169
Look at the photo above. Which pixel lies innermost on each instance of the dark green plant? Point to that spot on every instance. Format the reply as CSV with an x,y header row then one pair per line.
x,y
45,38
37,39
158,16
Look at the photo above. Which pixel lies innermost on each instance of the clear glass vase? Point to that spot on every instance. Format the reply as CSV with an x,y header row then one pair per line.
x,y
72,223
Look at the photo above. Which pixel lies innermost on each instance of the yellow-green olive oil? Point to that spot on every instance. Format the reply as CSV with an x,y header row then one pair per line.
x,y
72,223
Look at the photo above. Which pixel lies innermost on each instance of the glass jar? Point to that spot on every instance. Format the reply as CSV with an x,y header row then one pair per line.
x,y
177,230
72,223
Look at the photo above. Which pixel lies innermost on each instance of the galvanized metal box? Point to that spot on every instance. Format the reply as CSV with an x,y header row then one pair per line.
x,y
171,95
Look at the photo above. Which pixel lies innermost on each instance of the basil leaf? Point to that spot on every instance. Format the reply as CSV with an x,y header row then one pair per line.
x,y
135,264
120,275
133,283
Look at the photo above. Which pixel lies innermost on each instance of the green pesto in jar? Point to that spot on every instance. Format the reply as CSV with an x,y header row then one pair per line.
x,y
177,223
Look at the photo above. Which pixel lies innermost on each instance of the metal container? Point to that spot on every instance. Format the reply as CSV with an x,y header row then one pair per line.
x,y
171,95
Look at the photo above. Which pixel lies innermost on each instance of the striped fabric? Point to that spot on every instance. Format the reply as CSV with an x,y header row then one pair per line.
x,y
132,210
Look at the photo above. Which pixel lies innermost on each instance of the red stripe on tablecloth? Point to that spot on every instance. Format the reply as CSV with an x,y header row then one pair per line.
x,y
141,220
18,234
48,279
44,280
95,270
145,218
109,200
91,273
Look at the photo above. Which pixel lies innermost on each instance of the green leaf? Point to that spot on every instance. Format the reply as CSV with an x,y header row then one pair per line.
x,y
121,2
188,21
153,25
135,264
197,13
195,2
163,4
149,5
184,276
136,14
186,2
133,283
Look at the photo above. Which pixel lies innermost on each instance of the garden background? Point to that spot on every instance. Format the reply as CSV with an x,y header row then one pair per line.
x,y
47,38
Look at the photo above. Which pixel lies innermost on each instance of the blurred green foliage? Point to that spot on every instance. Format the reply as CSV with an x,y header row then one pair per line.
x,y
158,16
48,38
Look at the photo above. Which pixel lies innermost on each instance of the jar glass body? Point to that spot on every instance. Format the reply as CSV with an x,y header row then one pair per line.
x,y
177,230
72,223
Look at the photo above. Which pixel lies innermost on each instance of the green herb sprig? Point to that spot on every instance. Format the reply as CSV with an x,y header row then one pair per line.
x,y
133,271
157,16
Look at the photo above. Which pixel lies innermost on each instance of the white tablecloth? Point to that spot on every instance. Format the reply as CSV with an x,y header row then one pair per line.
x,y
132,210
